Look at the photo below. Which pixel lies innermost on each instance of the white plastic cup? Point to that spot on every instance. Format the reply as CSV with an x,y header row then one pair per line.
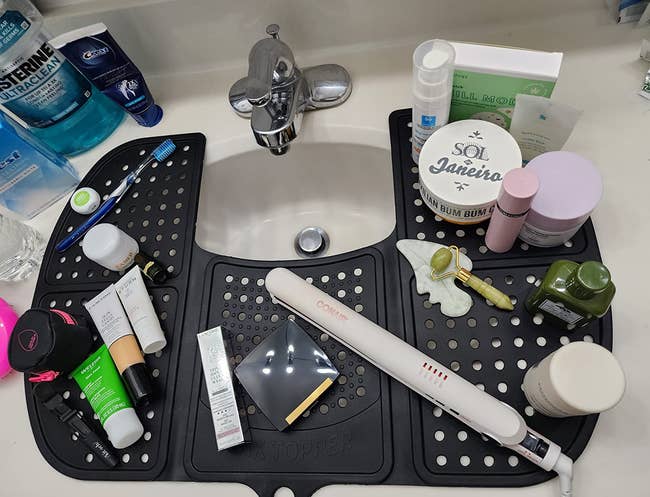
x,y
578,379
21,250
110,247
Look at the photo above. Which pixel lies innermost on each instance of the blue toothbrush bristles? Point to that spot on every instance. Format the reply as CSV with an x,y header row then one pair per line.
x,y
164,150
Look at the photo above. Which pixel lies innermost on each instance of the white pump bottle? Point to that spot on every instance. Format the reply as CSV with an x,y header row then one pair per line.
x,y
433,74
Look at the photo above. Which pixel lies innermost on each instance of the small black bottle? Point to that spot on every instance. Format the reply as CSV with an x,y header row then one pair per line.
x,y
151,268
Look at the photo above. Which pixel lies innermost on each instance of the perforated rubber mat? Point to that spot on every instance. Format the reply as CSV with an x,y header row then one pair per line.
x,y
157,211
365,429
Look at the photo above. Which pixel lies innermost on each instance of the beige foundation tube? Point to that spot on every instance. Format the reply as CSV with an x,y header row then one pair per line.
x,y
113,326
126,352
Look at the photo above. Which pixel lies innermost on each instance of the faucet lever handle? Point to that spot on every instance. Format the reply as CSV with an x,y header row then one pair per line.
x,y
273,31
270,63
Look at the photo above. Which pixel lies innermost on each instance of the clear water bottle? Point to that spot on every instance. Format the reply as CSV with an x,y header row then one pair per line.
x,y
43,89
21,249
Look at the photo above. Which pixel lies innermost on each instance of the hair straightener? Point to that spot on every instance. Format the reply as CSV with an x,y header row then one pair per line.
x,y
434,381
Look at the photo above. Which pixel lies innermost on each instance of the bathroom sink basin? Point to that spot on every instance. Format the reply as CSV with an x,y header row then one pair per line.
x,y
253,204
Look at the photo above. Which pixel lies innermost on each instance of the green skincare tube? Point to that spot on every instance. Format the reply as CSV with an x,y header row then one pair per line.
x,y
100,382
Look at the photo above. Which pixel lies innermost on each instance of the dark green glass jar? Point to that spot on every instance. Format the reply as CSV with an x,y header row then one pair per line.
x,y
572,295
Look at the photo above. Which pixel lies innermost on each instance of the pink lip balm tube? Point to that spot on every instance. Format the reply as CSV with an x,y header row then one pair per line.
x,y
518,188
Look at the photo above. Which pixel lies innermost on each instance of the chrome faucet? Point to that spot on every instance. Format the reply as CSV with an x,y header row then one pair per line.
x,y
275,93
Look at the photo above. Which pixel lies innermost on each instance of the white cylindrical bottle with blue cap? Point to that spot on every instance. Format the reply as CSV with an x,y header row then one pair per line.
x,y
433,75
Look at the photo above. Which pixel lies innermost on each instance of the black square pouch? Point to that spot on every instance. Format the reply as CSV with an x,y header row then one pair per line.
x,y
49,341
286,374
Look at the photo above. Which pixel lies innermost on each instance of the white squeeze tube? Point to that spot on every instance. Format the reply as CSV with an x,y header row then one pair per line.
x,y
416,370
134,297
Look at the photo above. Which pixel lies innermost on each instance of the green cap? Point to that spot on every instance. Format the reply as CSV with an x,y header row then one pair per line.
x,y
588,279
81,198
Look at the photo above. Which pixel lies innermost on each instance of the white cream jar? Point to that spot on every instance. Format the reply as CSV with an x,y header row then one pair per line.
x,y
461,167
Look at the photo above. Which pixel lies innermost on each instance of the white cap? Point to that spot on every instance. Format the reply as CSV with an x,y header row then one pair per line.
x,y
433,70
578,379
110,247
587,377
150,335
123,428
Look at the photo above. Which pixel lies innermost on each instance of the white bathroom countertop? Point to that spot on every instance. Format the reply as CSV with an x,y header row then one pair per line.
x,y
601,74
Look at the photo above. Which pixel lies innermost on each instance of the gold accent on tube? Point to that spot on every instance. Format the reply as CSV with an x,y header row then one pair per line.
x,y
308,401
463,275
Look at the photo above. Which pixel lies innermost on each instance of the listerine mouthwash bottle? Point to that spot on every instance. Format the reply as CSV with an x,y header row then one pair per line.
x,y
42,88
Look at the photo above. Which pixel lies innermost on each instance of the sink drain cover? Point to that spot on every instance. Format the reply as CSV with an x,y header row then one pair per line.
x,y
311,241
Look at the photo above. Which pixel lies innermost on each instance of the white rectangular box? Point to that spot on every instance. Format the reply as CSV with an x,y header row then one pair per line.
x,y
487,78
218,380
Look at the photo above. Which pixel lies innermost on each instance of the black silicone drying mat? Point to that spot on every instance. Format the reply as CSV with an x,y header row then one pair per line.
x,y
346,435
159,211
366,428
489,347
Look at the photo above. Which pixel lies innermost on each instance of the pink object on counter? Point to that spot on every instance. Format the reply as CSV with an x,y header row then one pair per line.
x,y
8,320
518,188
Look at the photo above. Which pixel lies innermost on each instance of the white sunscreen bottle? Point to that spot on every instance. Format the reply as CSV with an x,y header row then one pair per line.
x,y
433,74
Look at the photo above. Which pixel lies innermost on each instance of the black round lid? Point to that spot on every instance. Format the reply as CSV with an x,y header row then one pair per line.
x,y
138,383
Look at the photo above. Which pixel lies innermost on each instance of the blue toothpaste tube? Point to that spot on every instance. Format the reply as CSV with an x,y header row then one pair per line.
x,y
96,54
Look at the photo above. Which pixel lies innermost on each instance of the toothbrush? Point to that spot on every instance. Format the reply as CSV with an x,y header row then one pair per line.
x,y
160,153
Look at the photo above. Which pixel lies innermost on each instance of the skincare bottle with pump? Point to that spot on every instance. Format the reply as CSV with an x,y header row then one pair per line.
x,y
433,73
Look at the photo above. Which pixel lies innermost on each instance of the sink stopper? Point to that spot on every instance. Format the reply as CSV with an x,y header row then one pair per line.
x,y
311,241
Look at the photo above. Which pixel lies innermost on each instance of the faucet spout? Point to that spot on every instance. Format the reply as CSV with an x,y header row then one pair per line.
x,y
270,63
279,150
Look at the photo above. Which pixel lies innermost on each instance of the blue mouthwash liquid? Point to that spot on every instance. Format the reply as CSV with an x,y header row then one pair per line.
x,y
42,88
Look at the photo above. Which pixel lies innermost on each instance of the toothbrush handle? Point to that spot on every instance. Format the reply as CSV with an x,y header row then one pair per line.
x,y
104,209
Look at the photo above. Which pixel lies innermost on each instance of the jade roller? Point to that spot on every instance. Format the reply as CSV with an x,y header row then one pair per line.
x,y
442,258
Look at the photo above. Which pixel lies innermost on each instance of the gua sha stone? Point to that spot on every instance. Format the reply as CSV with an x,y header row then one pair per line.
x,y
453,301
